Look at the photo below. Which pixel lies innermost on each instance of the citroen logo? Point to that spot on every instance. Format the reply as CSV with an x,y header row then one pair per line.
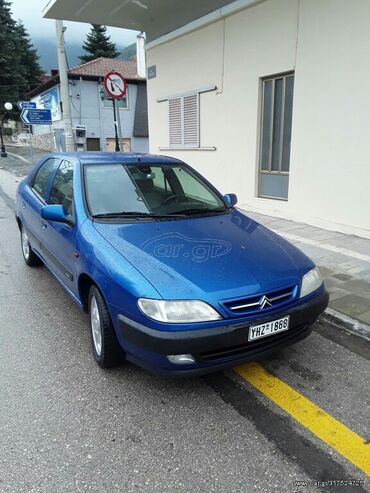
x,y
264,301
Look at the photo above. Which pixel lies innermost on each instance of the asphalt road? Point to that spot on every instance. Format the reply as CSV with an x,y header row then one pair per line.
x,y
20,159
68,426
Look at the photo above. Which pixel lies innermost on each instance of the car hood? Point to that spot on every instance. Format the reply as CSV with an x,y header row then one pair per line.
x,y
209,258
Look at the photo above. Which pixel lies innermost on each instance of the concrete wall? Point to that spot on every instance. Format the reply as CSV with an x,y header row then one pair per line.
x,y
326,43
89,110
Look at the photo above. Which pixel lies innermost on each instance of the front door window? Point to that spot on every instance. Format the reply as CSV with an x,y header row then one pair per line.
x,y
62,190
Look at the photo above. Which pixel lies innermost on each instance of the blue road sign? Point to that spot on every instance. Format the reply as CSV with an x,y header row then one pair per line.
x,y
26,105
36,117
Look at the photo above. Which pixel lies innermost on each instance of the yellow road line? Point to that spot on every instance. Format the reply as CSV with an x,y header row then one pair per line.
x,y
328,429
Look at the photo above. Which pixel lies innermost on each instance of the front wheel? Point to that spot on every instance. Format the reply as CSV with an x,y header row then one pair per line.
x,y
106,348
29,256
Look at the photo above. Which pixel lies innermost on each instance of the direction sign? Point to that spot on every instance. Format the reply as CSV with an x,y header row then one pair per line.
x,y
36,117
26,105
115,85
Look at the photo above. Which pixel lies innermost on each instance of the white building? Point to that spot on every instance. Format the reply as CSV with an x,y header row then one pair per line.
x,y
266,98
92,108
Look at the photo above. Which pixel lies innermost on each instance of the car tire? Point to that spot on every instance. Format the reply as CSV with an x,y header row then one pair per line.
x,y
106,349
29,255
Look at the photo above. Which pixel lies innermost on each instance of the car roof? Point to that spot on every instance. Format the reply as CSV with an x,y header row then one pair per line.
x,y
116,157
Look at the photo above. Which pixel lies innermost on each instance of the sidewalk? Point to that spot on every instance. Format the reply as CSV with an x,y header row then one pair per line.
x,y
20,158
343,260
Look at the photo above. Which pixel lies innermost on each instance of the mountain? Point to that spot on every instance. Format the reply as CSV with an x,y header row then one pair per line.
x,y
47,51
46,48
129,52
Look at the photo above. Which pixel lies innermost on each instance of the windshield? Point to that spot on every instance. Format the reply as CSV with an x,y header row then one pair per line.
x,y
162,190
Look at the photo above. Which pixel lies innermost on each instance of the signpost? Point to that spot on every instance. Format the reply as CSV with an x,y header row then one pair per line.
x,y
116,86
32,116
36,117
26,105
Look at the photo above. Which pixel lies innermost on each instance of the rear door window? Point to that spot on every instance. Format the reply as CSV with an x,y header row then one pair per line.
x,y
42,177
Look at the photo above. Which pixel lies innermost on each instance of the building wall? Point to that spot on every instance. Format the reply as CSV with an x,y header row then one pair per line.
x,y
88,109
326,43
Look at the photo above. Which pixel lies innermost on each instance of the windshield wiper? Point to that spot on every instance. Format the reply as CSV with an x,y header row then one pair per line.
x,y
136,214
200,210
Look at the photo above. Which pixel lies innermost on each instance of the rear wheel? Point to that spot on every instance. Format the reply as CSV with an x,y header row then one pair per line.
x,y
106,348
29,256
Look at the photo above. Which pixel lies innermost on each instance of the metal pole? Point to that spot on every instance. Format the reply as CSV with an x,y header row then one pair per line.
x,y
102,139
120,128
115,126
3,151
64,88
30,137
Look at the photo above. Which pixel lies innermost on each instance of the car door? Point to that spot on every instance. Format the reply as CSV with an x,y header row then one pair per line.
x,y
59,239
33,199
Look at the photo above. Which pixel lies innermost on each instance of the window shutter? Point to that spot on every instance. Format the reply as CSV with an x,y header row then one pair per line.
x,y
175,111
191,121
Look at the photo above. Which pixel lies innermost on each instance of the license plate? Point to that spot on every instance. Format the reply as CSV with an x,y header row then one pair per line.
x,y
268,328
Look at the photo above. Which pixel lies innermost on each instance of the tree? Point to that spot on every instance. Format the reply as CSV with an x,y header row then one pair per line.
x,y
11,73
98,44
28,56
19,68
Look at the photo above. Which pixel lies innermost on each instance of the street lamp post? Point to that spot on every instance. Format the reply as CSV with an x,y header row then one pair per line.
x,y
8,107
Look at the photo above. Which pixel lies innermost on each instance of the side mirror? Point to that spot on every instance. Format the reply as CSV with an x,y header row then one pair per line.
x,y
54,213
231,199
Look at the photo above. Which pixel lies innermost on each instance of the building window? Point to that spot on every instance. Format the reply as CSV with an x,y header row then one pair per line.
x,y
275,131
184,121
120,103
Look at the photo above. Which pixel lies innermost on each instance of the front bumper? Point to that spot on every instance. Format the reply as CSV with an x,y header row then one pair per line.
x,y
219,347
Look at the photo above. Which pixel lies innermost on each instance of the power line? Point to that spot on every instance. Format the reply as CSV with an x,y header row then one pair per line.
x,y
18,85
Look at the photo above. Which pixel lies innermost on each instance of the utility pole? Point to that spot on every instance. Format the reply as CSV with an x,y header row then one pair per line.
x,y
64,88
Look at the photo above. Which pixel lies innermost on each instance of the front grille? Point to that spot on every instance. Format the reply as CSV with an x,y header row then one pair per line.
x,y
261,303
253,347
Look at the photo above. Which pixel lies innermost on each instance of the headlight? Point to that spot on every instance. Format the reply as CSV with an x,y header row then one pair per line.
x,y
310,282
179,312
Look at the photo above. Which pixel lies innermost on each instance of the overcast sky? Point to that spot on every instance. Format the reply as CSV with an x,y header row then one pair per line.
x,y
29,11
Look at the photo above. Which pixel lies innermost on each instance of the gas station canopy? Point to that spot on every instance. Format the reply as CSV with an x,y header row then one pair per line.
x,y
155,17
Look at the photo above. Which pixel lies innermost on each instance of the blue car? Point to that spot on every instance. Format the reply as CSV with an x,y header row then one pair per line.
x,y
174,278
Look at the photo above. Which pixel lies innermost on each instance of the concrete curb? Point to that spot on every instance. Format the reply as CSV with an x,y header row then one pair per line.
x,y
344,321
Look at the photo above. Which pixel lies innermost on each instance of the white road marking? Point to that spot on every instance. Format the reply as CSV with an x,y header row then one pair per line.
x,y
20,157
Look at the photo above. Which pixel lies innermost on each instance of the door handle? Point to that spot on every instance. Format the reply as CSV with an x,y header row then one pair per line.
x,y
23,205
44,225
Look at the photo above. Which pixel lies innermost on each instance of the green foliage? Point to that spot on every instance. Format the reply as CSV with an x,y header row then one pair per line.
x,y
98,44
28,55
19,68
